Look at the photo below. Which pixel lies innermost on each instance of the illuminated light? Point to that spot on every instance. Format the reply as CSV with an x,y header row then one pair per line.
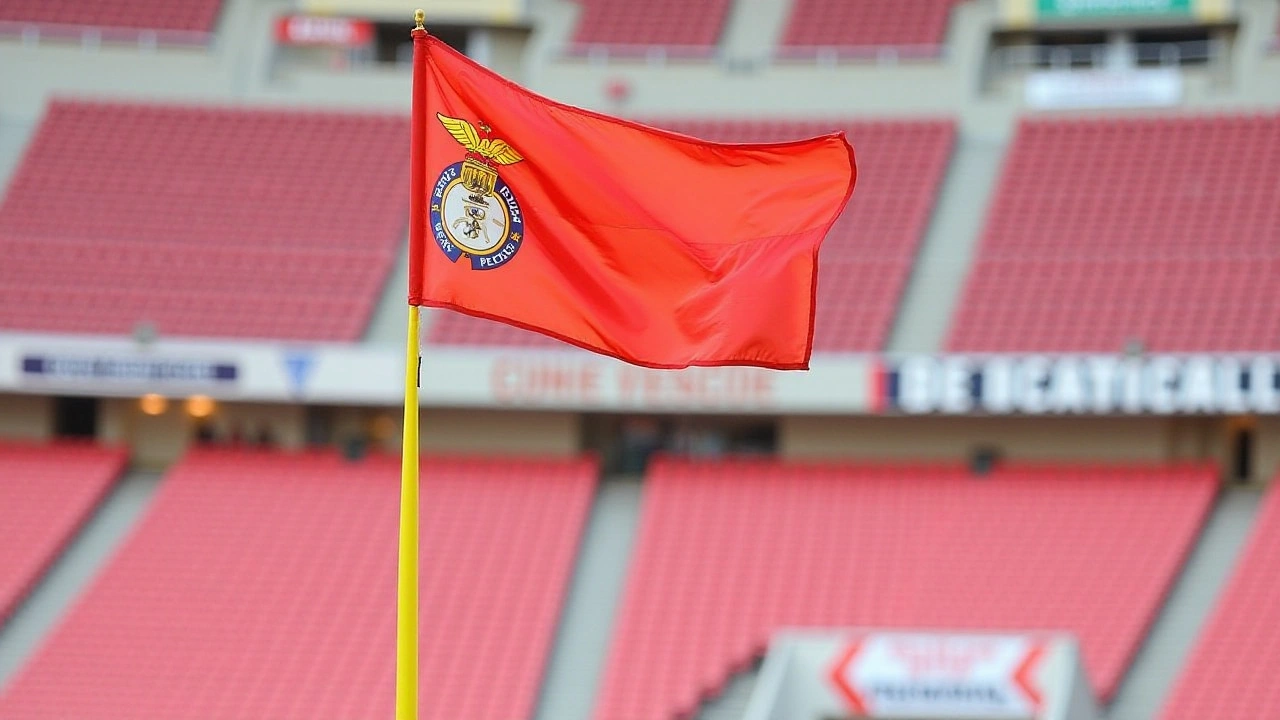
x,y
153,404
200,406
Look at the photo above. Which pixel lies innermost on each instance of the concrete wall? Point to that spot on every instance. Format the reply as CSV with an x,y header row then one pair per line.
x,y
900,438
27,417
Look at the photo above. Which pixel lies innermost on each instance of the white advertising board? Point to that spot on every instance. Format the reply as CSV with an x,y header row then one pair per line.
x,y
915,675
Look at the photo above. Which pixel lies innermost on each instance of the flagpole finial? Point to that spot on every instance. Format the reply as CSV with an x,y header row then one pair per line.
x,y
418,17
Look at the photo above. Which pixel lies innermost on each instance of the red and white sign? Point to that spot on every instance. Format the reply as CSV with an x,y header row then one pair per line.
x,y
313,30
905,675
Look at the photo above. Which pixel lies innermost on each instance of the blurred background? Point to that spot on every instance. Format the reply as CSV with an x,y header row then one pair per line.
x,y
1025,478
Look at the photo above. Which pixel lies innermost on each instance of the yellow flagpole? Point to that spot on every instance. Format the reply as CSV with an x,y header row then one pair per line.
x,y
407,596
407,579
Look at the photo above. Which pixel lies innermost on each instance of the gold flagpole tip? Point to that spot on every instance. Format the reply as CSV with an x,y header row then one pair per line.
x,y
418,17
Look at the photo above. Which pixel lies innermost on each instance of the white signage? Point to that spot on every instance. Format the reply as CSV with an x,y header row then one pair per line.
x,y
1080,384
916,675
1075,89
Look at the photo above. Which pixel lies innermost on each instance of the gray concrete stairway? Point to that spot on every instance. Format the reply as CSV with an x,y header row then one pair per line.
x,y
753,29
1189,604
72,572
386,324
731,704
581,646
937,278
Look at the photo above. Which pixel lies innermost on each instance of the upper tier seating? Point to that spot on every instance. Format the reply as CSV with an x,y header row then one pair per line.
x,y
1160,230
866,258
676,25
867,26
727,552
46,493
1231,672
116,17
202,221
263,585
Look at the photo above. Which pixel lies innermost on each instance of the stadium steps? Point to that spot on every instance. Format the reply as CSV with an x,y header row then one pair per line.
x,y
14,133
71,573
386,326
586,623
1193,596
948,246
732,703
753,29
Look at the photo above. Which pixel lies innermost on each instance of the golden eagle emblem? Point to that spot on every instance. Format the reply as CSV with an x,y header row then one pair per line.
x,y
497,152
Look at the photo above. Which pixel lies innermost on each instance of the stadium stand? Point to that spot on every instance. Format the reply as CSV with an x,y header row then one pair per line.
x,y
1087,549
46,493
1102,231
258,586
1230,674
688,25
867,257
202,221
867,26
115,16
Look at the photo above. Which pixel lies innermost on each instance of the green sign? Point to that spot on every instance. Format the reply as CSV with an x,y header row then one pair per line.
x,y
1078,9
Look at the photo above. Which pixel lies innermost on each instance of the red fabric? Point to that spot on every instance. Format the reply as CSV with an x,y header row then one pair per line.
x,y
646,245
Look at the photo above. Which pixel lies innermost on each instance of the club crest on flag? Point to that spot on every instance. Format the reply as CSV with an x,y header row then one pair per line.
x,y
474,213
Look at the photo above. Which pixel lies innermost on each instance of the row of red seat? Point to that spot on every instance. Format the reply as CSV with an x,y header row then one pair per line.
x,y
813,24
254,223
1089,550
1162,230
195,16
202,221
262,585
45,494
258,584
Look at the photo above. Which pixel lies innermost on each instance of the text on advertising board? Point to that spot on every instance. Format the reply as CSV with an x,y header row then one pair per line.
x,y
572,381
913,675
1079,384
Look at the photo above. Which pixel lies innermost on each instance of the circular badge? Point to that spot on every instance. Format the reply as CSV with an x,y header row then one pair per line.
x,y
475,214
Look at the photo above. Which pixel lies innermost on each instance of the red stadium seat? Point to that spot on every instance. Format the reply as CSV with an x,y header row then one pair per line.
x,y
202,221
729,551
159,15
46,493
664,23
1231,672
1165,231
867,25
867,257
260,585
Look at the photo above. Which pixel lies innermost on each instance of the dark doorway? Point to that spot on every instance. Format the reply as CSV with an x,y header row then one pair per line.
x,y
75,417
1242,454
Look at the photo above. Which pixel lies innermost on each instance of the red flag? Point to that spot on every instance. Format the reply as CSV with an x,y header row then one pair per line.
x,y
652,247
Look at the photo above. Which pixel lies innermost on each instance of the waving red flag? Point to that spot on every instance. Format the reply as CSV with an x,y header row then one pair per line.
x,y
652,247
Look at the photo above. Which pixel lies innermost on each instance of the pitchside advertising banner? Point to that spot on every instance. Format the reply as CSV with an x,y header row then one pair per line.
x,y
1021,13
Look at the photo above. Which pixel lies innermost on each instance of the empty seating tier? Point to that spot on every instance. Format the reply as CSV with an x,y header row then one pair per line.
x,y
866,258
46,493
193,16
866,26
1163,231
690,25
1231,672
202,222
727,552
261,585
